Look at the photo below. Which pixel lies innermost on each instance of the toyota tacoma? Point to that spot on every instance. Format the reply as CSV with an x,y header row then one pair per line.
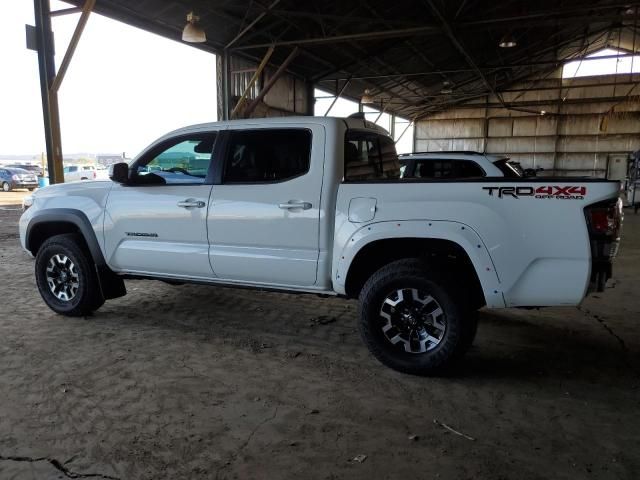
x,y
317,205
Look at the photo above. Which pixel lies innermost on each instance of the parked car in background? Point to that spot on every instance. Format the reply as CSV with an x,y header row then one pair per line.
x,y
36,169
73,173
102,173
11,178
442,165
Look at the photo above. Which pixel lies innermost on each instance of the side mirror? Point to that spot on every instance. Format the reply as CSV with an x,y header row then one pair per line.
x,y
119,172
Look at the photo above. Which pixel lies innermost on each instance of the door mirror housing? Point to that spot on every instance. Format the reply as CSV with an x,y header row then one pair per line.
x,y
119,172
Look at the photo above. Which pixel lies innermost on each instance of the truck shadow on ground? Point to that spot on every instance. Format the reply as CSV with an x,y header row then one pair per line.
x,y
519,345
540,347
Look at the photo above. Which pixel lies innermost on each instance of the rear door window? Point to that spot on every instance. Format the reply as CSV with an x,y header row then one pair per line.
x,y
267,156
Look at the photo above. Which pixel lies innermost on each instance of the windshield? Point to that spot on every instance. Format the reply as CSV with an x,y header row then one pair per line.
x,y
507,169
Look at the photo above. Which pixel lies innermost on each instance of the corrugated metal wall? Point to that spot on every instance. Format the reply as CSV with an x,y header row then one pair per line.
x,y
588,122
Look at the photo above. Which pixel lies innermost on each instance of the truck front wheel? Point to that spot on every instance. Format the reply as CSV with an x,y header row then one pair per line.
x,y
66,276
411,319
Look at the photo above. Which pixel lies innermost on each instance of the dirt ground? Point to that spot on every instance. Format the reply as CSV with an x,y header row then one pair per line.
x,y
194,382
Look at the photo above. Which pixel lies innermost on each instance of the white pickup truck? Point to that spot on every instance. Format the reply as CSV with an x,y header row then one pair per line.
x,y
317,205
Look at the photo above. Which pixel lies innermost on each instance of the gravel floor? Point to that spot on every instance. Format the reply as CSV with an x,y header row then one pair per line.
x,y
203,382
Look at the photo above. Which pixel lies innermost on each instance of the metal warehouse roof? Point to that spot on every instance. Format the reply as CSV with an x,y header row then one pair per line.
x,y
416,56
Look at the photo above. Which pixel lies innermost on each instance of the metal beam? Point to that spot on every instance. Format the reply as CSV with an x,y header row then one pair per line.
x,y
537,103
338,95
252,24
73,43
486,68
456,43
350,16
402,32
540,19
532,89
570,13
65,11
254,78
271,82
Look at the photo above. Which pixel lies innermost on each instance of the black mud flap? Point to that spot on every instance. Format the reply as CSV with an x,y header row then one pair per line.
x,y
111,285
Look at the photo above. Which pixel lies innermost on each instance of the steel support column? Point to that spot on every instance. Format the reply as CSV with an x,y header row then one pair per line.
x,y
226,85
46,66
50,82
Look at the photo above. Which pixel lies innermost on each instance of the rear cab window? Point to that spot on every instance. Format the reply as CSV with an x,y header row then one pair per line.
x,y
369,156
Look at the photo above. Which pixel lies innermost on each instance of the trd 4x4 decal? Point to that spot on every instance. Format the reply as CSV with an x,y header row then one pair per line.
x,y
566,192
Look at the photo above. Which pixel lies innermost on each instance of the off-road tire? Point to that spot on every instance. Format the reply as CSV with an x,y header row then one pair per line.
x,y
88,296
460,319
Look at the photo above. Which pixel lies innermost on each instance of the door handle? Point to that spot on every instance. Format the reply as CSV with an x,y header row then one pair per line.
x,y
191,203
291,205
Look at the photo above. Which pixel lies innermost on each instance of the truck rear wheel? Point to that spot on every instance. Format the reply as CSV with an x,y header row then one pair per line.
x,y
66,276
411,319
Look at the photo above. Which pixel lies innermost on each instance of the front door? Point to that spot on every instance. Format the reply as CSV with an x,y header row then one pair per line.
x,y
157,225
264,216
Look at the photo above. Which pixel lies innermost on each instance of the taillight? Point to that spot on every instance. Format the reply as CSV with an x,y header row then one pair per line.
x,y
94,174
605,219
602,221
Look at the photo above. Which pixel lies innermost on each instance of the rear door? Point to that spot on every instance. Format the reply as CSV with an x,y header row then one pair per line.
x,y
265,213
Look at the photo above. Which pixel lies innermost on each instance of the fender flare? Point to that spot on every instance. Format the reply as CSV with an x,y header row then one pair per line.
x,y
67,215
111,284
459,233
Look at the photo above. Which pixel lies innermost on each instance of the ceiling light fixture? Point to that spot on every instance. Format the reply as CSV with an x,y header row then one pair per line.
x,y
192,33
367,98
507,41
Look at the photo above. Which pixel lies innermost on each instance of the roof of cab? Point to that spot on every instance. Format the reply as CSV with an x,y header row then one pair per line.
x,y
355,123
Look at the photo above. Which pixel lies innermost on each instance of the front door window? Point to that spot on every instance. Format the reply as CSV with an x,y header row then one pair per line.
x,y
185,162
